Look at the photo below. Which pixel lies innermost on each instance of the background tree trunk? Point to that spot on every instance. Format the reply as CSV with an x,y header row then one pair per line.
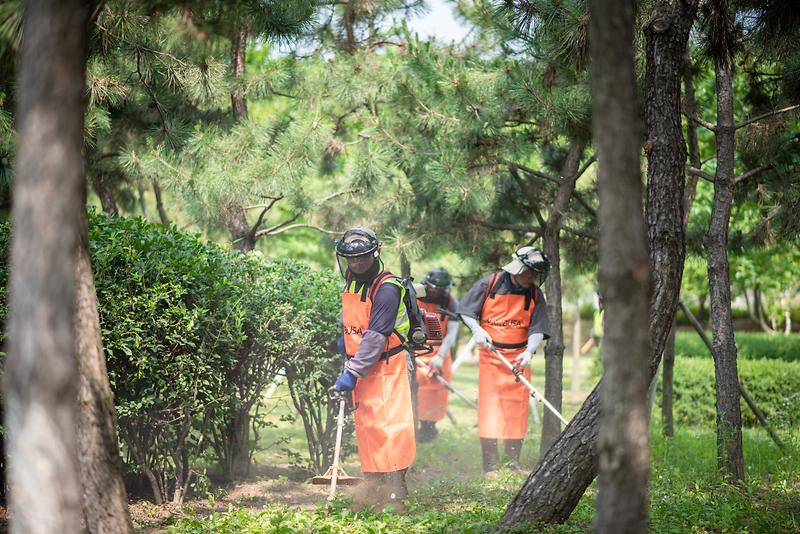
x,y
666,383
41,370
108,200
690,105
623,273
561,477
238,98
554,349
575,385
730,457
162,213
105,503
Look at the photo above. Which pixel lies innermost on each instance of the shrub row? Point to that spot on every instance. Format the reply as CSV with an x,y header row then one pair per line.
x,y
749,345
774,386
193,333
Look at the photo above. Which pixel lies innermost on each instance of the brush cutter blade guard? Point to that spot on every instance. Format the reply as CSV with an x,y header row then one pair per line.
x,y
341,478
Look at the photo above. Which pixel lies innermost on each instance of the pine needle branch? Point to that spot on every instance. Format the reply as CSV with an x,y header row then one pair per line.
x,y
765,115
752,172
532,204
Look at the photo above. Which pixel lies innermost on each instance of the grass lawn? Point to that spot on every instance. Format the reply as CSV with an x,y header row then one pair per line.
x,y
449,494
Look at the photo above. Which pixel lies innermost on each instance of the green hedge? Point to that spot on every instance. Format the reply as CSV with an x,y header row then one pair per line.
x,y
774,386
193,333
750,345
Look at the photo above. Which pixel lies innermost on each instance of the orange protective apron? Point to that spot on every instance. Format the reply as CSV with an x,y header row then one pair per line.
x,y
432,395
502,401
384,419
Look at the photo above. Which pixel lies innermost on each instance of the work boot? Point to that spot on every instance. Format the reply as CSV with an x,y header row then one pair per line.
x,y
427,431
513,450
395,490
490,457
370,493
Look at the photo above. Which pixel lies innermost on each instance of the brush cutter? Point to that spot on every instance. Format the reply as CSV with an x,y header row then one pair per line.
x,y
335,474
438,376
520,378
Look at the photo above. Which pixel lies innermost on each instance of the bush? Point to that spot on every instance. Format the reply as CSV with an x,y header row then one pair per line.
x,y
774,386
749,345
193,333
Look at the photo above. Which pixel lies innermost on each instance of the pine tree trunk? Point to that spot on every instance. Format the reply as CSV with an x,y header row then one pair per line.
x,y
238,98
666,384
575,385
242,235
624,459
108,200
730,457
41,371
162,213
241,232
557,483
691,135
142,200
105,503
758,304
554,349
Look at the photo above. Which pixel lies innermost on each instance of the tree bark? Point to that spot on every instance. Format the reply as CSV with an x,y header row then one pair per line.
x,y
691,135
238,98
105,503
557,483
730,457
243,236
162,213
624,459
575,385
666,384
41,369
554,349
108,201
758,304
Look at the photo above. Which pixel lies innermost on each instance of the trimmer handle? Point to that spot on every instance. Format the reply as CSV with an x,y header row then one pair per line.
x,y
337,396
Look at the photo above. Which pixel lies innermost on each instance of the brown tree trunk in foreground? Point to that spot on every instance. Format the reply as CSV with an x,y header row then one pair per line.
x,y
624,273
691,135
105,503
666,383
561,477
730,457
41,373
554,349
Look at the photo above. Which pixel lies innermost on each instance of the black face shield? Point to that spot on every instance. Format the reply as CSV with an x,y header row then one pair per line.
x,y
438,278
541,266
358,243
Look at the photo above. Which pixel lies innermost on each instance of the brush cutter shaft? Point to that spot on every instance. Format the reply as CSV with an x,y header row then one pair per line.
x,y
446,384
337,448
520,378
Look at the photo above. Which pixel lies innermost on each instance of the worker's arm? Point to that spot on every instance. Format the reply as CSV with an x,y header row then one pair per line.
x,y
447,343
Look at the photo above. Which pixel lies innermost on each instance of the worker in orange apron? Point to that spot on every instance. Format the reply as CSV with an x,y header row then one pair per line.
x,y
375,325
432,395
506,310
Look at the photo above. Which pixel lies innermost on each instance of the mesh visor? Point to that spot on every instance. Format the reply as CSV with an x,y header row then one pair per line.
x,y
355,248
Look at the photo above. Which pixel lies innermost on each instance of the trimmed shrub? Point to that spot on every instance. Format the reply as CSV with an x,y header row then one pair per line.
x,y
774,386
749,345
193,333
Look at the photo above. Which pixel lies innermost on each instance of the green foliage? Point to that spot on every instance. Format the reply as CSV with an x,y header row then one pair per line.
x,y
193,333
773,385
686,496
749,346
